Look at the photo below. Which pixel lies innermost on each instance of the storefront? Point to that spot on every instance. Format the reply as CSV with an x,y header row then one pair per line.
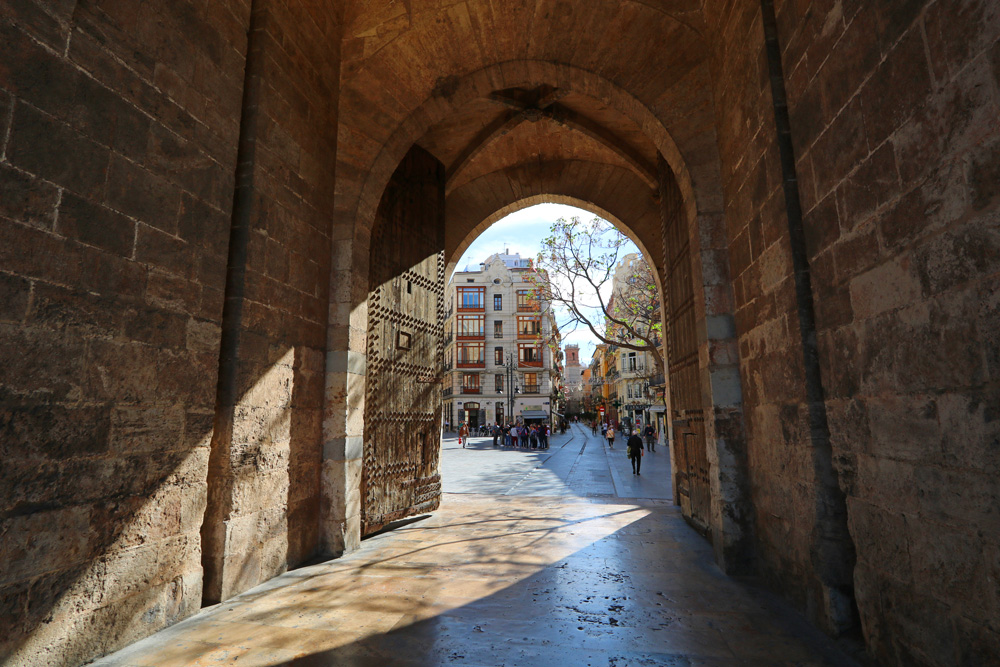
x,y
470,413
658,417
534,416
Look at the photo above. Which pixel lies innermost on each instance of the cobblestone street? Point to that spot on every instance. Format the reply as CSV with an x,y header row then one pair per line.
x,y
557,557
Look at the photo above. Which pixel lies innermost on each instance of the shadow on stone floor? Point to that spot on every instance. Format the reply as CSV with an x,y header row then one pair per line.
x,y
584,611
503,581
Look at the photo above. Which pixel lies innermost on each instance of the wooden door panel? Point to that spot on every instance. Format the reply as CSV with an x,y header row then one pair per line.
x,y
400,474
686,396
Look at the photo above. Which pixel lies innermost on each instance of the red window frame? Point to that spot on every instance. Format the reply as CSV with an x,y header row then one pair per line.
x,y
475,301
470,327
466,360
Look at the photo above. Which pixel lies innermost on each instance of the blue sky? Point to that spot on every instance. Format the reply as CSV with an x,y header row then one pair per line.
x,y
522,232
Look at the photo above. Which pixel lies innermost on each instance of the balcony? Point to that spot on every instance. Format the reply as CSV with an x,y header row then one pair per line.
x,y
637,370
532,389
611,376
529,335
471,364
657,380
472,390
529,364
447,391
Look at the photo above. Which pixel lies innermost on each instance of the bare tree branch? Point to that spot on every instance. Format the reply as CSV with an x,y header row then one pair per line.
x,y
579,261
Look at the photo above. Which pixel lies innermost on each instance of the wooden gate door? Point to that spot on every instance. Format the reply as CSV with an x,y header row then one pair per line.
x,y
690,454
400,474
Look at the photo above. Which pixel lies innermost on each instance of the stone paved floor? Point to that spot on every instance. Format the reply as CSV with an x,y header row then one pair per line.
x,y
535,558
576,464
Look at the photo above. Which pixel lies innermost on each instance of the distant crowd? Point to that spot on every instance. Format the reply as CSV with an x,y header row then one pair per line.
x,y
514,436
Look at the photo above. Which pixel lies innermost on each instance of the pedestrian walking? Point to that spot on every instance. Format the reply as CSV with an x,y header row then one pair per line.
x,y
649,433
610,435
463,435
634,450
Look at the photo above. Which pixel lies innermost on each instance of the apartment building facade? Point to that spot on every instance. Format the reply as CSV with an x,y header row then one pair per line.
x,y
631,383
501,346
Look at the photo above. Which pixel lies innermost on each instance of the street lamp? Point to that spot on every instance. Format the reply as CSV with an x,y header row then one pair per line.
x,y
510,368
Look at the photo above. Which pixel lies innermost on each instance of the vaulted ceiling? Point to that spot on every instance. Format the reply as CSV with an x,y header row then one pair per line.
x,y
588,91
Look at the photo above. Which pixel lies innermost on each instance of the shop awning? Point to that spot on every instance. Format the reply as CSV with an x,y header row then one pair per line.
x,y
657,408
534,414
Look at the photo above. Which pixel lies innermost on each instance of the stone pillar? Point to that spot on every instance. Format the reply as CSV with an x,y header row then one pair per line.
x,y
343,407
264,469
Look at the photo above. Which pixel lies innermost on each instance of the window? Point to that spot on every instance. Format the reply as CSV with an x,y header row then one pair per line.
x,y
470,354
526,301
629,362
498,329
498,356
497,302
529,326
470,326
500,419
531,383
470,384
529,355
471,298
498,379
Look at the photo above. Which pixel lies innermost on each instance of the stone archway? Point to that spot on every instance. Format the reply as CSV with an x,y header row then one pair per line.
x,y
474,200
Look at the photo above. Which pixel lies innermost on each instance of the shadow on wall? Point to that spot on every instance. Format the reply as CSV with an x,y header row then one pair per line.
x,y
116,535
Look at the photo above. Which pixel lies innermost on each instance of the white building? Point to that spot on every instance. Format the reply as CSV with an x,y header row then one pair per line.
x,y
498,331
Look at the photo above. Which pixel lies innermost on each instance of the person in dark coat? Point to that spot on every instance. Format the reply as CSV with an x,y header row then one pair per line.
x,y
649,433
634,450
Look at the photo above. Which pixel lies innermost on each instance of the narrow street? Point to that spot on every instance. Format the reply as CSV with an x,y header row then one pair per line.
x,y
557,557
576,464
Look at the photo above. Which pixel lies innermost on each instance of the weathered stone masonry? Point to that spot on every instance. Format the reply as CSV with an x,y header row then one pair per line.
x,y
158,452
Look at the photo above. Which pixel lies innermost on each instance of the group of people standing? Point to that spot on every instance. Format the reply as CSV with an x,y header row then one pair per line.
x,y
520,436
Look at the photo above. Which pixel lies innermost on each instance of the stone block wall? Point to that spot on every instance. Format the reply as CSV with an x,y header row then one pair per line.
x,y
264,478
894,123
895,111
786,485
118,134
